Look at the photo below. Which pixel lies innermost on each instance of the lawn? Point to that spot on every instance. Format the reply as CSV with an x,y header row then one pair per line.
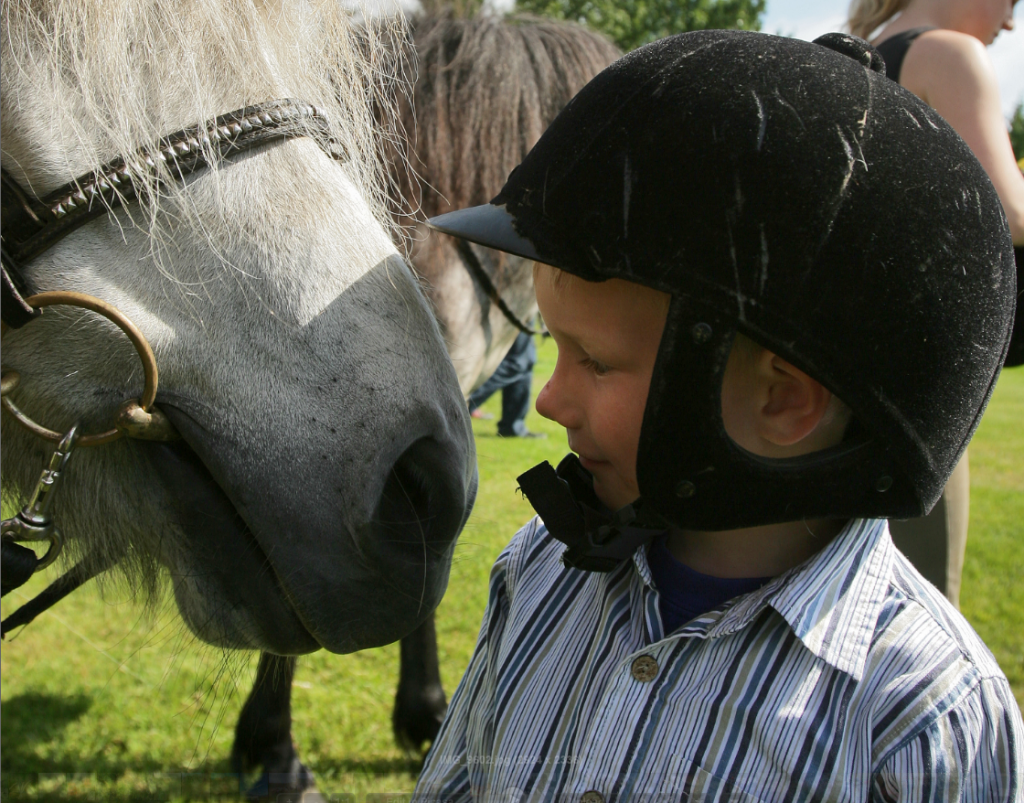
x,y
101,701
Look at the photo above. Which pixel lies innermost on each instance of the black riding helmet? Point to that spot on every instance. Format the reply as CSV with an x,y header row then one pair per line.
x,y
789,191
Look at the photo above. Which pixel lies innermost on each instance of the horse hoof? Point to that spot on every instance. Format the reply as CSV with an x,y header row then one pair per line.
x,y
297,785
416,721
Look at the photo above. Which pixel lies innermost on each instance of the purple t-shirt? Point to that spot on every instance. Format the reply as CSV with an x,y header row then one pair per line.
x,y
685,593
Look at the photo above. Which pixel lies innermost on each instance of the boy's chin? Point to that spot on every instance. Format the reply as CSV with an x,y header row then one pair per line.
x,y
612,497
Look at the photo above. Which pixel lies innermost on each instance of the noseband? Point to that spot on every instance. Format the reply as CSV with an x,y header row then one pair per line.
x,y
30,226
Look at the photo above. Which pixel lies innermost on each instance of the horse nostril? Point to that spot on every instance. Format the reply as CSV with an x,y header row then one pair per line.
x,y
419,502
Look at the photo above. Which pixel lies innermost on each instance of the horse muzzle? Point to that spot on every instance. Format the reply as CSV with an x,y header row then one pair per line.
x,y
291,576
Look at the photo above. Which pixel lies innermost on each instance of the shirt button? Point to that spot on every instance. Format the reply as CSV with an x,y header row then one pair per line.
x,y
592,797
644,669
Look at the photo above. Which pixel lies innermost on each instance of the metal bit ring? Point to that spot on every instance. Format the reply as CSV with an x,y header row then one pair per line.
x,y
115,316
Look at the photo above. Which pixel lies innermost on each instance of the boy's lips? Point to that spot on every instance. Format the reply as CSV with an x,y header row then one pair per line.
x,y
590,464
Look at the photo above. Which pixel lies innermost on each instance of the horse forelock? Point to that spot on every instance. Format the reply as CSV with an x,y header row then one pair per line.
x,y
84,82
485,91
487,88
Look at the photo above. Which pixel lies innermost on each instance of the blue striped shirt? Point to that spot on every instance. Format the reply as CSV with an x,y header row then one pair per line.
x,y
848,678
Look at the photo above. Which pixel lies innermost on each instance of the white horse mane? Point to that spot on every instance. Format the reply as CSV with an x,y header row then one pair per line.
x,y
100,80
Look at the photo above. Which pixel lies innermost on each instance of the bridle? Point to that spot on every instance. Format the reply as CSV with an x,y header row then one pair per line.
x,y
476,270
30,226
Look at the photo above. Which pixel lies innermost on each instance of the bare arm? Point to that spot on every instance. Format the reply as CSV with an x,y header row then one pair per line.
x,y
953,74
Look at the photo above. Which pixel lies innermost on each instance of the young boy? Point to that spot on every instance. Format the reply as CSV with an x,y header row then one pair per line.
x,y
781,290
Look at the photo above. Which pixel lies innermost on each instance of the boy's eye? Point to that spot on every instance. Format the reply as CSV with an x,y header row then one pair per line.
x,y
591,364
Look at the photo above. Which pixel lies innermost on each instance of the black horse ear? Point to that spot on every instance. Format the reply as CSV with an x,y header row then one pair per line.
x,y
854,47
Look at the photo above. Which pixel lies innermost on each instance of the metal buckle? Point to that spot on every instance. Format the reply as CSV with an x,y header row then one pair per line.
x,y
35,521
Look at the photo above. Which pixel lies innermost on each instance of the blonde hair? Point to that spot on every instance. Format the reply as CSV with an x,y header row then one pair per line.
x,y
865,16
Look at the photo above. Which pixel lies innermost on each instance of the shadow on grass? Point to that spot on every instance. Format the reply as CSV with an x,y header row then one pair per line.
x,y
31,772
128,782
32,718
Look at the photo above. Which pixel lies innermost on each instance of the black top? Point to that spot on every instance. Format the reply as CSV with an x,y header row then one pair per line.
x,y
1015,356
894,50
685,593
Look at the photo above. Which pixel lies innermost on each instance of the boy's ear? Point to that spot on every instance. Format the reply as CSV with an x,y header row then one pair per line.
x,y
773,409
791,403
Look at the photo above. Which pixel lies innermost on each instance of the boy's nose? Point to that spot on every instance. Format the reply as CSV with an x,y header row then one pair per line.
x,y
544,402
553,403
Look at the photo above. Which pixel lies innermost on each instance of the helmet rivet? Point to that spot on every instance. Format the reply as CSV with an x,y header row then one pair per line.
x,y
685,489
884,483
701,333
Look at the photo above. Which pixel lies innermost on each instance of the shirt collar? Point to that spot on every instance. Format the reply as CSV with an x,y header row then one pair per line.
x,y
831,601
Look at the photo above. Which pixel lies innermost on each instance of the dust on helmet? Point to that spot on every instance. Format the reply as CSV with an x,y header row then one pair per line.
x,y
789,191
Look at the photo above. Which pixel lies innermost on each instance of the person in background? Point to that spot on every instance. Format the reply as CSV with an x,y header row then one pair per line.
x,y
936,49
513,377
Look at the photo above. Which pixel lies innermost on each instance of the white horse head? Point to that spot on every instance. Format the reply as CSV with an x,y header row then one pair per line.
x,y
327,463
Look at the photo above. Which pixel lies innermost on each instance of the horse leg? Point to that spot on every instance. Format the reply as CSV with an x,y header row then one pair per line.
x,y
263,736
420,703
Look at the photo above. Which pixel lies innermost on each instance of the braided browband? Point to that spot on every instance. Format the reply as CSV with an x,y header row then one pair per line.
x,y
31,226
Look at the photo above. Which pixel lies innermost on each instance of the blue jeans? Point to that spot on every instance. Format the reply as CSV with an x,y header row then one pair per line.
x,y
512,377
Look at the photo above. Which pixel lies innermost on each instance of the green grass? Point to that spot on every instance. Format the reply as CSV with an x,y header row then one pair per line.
x,y
992,595
102,702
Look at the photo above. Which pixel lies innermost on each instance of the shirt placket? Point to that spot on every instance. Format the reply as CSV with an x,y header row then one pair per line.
x,y
605,745
604,751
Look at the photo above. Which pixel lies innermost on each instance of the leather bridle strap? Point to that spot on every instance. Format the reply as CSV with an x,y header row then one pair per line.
x,y
75,577
29,226
16,313
476,270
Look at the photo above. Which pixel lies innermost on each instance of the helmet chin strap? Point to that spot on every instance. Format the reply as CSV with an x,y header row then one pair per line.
x,y
597,539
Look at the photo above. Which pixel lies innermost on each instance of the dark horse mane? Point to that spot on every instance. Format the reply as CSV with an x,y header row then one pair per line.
x,y
465,137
